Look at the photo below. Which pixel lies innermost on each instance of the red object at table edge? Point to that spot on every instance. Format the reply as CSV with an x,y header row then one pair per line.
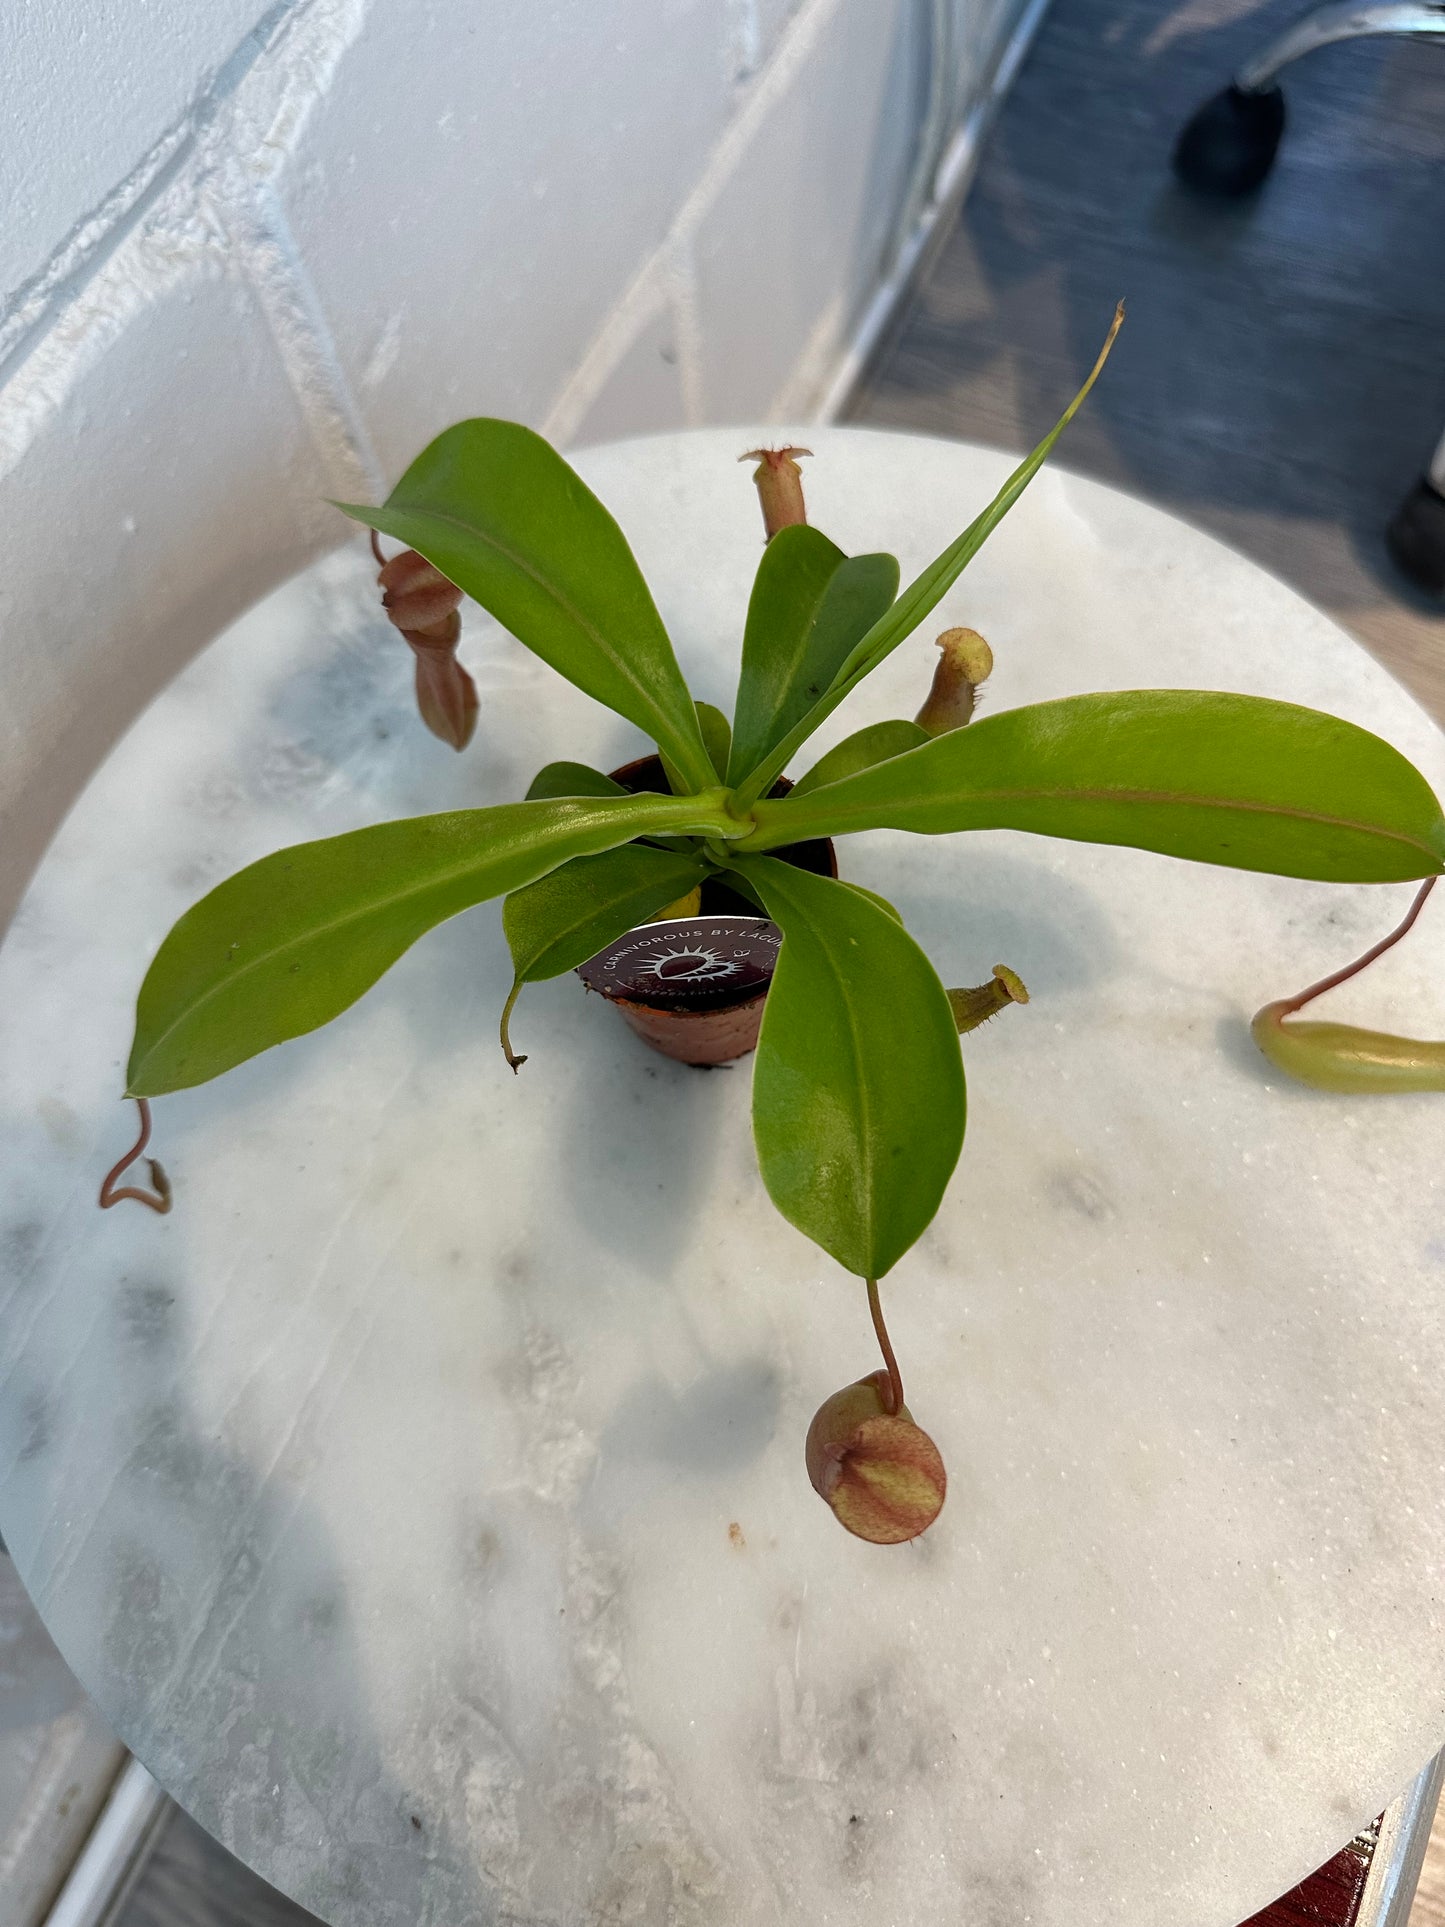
x,y
1330,1897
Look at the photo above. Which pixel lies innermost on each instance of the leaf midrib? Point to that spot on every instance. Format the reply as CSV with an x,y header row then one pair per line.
x,y
864,1112
752,756
1181,799
313,935
863,1108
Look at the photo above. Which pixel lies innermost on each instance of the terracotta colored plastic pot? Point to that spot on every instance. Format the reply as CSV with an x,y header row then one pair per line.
x,y
700,1037
727,1025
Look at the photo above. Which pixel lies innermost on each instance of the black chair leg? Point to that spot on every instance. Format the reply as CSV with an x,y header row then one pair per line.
x,y
1416,537
1228,146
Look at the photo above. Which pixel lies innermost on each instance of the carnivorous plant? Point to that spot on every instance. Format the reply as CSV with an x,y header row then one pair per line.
x,y
858,1083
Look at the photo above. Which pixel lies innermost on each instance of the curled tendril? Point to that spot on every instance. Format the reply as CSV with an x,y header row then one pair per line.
x,y
511,1056
158,1198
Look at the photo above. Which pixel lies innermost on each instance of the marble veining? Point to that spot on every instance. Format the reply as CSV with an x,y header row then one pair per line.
x,y
424,1501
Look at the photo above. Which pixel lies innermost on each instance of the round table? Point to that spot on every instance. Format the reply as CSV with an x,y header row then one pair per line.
x,y
424,1500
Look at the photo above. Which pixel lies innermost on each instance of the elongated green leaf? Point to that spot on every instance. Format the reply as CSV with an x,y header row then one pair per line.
x,y
922,595
793,575
570,779
860,751
291,941
580,779
568,915
858,1102
504,517
809,607
717,737
1237,780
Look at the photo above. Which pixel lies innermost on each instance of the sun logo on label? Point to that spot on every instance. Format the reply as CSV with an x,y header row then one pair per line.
x,y
690,962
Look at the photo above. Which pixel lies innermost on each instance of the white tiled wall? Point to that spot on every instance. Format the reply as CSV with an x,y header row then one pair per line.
x,y
95,98
473,196
255,256
797,234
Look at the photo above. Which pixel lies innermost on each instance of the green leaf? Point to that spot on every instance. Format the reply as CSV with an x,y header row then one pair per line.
x,y
873,897
288,943
502,515
921,596
579,779
1237,780
860,751
858,1100
571,779
809,606
716,735
566,917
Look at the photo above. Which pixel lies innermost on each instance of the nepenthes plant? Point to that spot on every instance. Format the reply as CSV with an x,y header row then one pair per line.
x,y
858,1098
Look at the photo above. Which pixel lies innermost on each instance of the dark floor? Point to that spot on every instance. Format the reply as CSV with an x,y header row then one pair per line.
x,y
190,1881
1281,380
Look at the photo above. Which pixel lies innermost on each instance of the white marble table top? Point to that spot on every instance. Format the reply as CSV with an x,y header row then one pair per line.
x,y
424,1499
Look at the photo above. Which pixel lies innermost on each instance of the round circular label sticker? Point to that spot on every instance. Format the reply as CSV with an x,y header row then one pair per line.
x,y
693,962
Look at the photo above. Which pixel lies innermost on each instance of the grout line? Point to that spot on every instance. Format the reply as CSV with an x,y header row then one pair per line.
x,y
949,191
797,398
687,317
235,139
26,315
91,240
306,346
270,119
669,272
671,264
787,60
646,295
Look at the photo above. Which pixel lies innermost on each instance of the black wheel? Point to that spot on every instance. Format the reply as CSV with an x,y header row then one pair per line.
x,y
1230,144
1416,537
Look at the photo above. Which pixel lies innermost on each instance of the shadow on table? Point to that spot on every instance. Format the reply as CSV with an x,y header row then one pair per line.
x,y
230,1659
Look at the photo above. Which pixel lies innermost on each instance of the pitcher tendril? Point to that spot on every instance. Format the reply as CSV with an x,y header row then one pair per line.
x,y
1288,1005
881,1474
514,1061
158,1198
1348,1057
895,1377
